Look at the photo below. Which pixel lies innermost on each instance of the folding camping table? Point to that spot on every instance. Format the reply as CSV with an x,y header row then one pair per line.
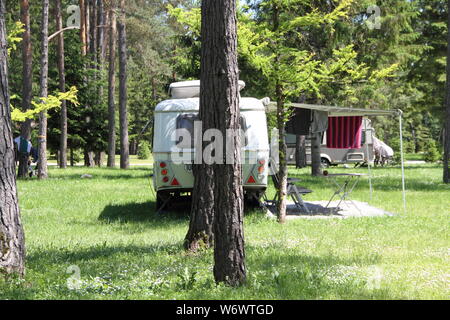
x,y
343,187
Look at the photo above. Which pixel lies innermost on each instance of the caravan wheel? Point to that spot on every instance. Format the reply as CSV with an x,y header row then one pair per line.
x,y
324,163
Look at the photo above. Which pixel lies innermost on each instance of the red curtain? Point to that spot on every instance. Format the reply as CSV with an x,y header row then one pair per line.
x,y
344,132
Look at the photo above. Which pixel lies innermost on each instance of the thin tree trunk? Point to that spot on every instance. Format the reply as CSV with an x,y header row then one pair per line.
x,y
42,161
300,151
83,39
282,173
316,169
446,173
281,116
62,87
27,81
219,98
112,87
12,243
123,114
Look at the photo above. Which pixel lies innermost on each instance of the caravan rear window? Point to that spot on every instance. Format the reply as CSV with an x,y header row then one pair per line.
x,y
186,121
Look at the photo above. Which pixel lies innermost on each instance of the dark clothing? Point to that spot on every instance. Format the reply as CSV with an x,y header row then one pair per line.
x,y
300,122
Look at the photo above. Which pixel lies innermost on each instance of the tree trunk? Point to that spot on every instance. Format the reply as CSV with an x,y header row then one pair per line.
x,y
83,27
281,126
27,81
282,173
112,88
300,151
62,87
89,159
12,243
42,161
316,169
219,95
123,114
446,173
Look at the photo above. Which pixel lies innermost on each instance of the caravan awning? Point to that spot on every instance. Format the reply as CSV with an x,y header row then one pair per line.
x,y
334,111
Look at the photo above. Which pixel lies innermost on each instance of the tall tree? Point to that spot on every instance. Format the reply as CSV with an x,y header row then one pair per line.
x,y
27,81
123,114
12,246
62,86
112,86
42,139
219,96
83,27
446,173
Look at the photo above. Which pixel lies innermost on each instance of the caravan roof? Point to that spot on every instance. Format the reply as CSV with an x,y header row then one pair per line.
x,y
192,104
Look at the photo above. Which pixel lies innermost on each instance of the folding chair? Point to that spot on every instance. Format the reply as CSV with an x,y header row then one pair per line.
x,y
293,191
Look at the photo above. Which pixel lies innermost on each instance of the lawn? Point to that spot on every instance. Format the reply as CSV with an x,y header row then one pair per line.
x,y
106,228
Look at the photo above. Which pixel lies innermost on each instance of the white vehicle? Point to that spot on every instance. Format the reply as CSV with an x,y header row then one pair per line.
x,y
174,157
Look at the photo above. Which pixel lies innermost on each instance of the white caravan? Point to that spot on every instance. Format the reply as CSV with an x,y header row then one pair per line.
x,y
174,157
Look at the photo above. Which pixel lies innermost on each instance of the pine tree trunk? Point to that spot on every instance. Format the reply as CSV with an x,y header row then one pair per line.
x,y
112,88
282,173
83,27
315,154
300,151
200,233
62,87
123,113
219,94
27,81
12,243
446,173
42,162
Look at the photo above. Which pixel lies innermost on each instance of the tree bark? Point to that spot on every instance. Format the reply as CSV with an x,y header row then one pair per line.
x,y
446,171
27,81
281,126
62,87
219,98
112,87
123,113
282,173
42,139
12,243
300,151
83,27
316,169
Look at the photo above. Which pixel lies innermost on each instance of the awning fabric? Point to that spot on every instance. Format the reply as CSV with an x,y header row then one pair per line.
x,y
340,111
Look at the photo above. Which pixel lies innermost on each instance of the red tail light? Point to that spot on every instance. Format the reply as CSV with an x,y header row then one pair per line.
x,y
164,172
165,179
162,164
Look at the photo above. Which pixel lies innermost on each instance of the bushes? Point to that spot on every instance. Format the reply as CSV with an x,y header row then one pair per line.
x,y
143,150
431,152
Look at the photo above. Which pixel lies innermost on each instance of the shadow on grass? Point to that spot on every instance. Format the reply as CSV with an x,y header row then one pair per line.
x,y
141,213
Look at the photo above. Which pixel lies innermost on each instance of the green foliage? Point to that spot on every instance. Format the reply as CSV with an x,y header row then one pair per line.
x,y
431,152
13,37
45,104
144,150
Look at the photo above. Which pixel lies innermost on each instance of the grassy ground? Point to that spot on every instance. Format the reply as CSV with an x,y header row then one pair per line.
x,y
106,227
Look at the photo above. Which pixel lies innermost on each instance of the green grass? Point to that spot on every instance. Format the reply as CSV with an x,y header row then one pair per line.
x,y
107,227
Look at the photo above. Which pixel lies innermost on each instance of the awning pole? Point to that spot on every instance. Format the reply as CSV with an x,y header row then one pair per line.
x,y
368,157
400,113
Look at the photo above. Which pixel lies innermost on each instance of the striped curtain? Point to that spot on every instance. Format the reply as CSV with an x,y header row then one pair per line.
x,y
344,132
